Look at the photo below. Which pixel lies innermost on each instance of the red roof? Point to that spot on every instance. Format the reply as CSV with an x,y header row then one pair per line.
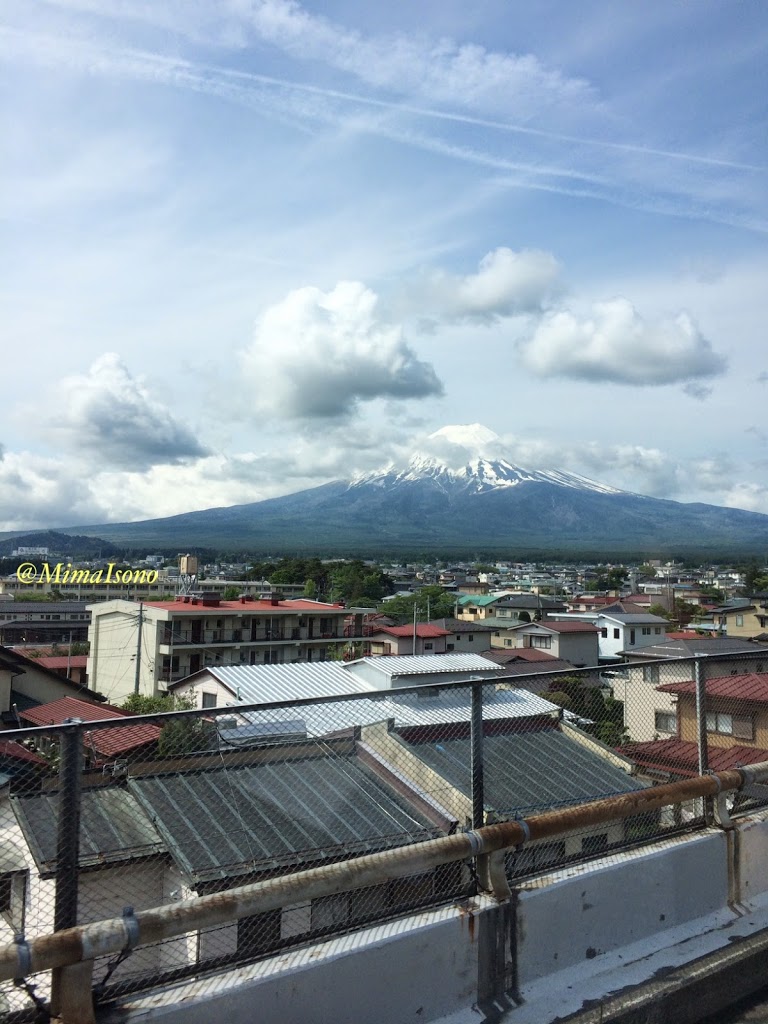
x,y
14,750
245,607
682,634
749,686
681,757
423,629
106,742
56,661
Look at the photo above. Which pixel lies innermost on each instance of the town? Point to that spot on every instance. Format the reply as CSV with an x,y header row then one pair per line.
x,y
349,707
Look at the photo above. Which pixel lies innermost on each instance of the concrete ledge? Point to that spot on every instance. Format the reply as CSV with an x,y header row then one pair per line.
x,y
685,995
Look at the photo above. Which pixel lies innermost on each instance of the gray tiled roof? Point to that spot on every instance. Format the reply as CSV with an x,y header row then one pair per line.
x,y
528,771
113,828
264,817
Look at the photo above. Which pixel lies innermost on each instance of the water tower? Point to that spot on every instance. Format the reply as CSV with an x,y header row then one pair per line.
x,y
188,568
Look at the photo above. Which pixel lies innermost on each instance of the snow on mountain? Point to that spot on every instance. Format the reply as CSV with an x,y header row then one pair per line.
x,y
471,458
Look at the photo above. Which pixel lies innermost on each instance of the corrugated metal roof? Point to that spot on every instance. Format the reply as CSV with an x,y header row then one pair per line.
x,y
749,686
261,684
429,664
113,828
434,708
235,821
528,771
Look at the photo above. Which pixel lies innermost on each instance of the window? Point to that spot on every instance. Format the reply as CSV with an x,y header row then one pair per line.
x,y
650,673
657,630
738,726
739,620
646,630
428,646
471,637
541,641
616,634
209,700
604,632
665,721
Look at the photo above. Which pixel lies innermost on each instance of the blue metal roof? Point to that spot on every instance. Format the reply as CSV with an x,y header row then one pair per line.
x,y
234,821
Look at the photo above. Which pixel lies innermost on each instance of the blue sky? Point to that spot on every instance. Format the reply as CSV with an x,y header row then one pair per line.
x,y
255,245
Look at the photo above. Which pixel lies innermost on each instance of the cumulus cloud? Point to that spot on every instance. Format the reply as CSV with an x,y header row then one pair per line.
x,y
38,491
111,414
319,354
507,283
616,344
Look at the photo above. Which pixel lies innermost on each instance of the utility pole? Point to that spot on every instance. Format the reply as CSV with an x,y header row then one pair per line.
x,y
137,677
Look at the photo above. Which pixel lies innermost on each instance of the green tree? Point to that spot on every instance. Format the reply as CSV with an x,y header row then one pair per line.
x,y
231,593
180,736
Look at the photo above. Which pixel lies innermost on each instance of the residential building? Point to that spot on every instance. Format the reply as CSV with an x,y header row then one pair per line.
x,y
43,622
749,621
26,683
650,713
503,605
573,641
736,725
423,638
471,637
182,636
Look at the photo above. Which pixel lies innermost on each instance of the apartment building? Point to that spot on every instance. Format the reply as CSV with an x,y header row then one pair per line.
x,y
172,639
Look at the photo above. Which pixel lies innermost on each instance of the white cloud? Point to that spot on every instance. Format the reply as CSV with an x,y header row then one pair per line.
x,y
319,354
507,283
616,344
38,491
109,413
438,70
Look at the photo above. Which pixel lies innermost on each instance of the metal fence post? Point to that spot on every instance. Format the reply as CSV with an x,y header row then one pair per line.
x,y
476,734
68,841
701,716
707,805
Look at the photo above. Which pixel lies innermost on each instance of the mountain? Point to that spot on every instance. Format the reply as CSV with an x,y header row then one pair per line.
x,y
462,495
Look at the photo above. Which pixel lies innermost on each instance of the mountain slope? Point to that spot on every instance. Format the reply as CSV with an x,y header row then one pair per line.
x,y
443,510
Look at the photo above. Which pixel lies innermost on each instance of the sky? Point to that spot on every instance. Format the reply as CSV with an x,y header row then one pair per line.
x,y
251,246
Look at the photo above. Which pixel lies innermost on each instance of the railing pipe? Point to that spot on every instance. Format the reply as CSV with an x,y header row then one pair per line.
x,y
149,926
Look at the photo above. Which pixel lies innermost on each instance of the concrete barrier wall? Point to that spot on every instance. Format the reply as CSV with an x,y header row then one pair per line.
x,y
604,920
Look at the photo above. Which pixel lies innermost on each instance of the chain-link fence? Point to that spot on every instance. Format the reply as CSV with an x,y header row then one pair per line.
x,y
108,816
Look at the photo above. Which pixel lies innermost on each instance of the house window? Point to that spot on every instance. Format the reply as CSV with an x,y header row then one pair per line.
x,y
604,632
650,673
739,620
657,630
616,634
428,646
209,700
665,721
541,641
646,630
738,726
471,637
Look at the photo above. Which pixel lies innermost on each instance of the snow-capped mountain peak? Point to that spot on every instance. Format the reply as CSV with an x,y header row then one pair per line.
x,y
471,458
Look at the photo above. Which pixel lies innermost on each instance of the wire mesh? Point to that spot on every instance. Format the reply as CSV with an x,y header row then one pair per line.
x,y
197,802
